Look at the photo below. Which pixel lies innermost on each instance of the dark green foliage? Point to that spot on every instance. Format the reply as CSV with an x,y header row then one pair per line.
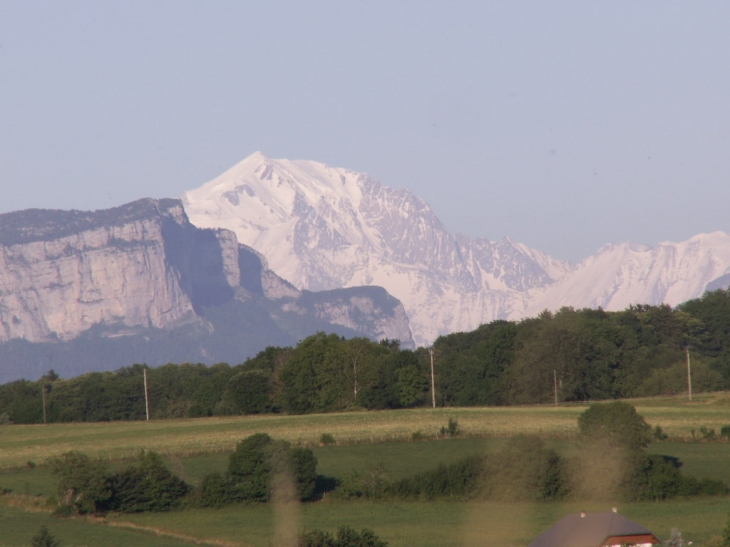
x,y
214,490
691,486
451,429
312,379
328,373
22,402
249,392
326,439
470,366
304,469
249,468
254,466
525,470
654,478
617,423
149,486
460,479
44,539
346,537
708,433
83,483
613,433
578,355
658,433
86,487
370,483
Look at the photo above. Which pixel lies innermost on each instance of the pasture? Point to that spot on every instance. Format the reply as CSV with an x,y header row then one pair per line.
x,y
364,440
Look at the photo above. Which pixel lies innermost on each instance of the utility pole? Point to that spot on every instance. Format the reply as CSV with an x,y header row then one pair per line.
x,y
146,398
433,383
43,393
689,374
555,386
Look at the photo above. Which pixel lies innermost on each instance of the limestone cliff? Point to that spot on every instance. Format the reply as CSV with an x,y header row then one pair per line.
x,y
63,271
143,266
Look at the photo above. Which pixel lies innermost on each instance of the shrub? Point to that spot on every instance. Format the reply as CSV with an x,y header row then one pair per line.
x,y
150,486
249,469
526,470
417,436
371,483
450,430
326,439
617,423
725,431
257,461
346,537
44,539
691,486
653,478
707,433
214,491
83,484
658,434
459,479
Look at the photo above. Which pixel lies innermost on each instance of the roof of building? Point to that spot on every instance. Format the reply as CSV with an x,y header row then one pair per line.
x,y
593,530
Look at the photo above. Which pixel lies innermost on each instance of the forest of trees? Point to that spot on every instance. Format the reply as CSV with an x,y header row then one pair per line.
x,y
590,354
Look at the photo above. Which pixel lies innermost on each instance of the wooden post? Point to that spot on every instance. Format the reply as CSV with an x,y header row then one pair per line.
x,y
689,374
433,382
43,393
146,398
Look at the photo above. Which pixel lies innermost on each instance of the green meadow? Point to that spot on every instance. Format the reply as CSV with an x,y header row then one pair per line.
x,y
363,441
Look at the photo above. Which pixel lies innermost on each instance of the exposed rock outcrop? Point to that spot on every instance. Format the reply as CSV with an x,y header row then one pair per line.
x,y
144,266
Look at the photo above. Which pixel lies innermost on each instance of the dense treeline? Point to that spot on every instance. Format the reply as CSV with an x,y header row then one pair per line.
x,y
588,354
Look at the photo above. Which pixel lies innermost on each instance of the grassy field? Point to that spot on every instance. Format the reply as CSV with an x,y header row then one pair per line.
x,y
397,458
122,440
442,523
364,440
402,524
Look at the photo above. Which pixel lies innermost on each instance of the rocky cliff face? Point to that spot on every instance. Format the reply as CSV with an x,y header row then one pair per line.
x,y
142,266
100,268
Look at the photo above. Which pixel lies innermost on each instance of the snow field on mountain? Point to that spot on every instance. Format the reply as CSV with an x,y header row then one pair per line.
x,y
321,227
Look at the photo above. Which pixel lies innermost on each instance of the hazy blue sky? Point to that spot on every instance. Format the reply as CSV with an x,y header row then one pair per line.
x,y
563,125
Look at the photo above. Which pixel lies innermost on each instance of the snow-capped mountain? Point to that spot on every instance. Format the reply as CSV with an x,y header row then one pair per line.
x,y
620,275
321,227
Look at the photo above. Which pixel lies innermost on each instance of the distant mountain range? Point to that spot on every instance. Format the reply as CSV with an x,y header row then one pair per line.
x,y
83,291
322,227
274,250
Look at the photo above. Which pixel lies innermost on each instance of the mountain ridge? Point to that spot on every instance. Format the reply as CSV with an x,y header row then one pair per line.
x,y
326,227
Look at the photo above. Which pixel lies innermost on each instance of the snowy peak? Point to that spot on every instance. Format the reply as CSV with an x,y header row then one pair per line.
x,y
322,227
619,275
